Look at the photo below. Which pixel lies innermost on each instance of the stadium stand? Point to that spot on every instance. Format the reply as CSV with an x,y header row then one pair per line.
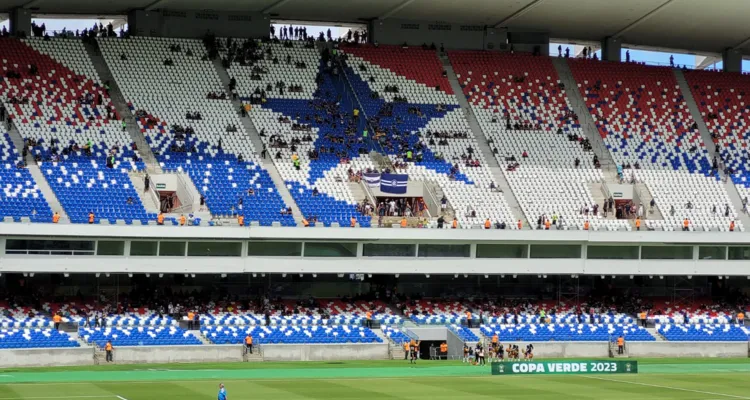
x,y
395,334
463,333
189,132
419,112
35,338
565,332
139,336
21,196
300,115
704,333
535,136
60,108
721,100
647,127
290,335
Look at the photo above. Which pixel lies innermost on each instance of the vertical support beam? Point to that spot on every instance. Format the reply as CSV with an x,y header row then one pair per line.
x,y
611,49
20,22
732,60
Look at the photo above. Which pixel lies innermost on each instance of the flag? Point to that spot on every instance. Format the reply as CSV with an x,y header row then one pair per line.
x,y
371,178
393,183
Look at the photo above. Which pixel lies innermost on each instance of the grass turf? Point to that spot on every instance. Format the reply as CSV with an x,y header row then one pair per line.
x,y
687,379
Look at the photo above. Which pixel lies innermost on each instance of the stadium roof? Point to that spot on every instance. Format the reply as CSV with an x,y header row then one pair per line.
x,y
695,25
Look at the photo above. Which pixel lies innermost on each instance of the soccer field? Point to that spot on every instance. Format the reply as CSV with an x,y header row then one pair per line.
x,y
377,380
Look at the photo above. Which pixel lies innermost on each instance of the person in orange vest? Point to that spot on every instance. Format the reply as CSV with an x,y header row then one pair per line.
x,y
55,218
406,351
487,224
620,345
91,217
249,344
241,220
108,348
741,318
191,320
547,224
686,225
454,225
468,319
57,319
353,222
520,224
731,226
586,225
182,219
642,318
638,223
403,222
444,349
368,320
160,219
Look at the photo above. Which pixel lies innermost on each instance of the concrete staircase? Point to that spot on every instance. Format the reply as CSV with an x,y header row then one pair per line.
x,y
483,146
584,116
734,196
38,175
256,356
613,351
118,100
653,332
357,191
148,198
645,196
257,144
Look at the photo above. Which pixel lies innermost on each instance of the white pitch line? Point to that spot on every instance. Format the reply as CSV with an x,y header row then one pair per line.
x,y
58,397
120,397
667,387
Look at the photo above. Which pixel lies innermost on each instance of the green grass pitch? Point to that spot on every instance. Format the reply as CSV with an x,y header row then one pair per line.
x,y
684,379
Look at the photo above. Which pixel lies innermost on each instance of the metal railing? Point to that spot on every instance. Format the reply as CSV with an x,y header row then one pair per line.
x,y
368,194
431,199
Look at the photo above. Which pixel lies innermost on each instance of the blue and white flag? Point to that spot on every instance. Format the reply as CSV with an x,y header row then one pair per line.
x,y
371,178
394,183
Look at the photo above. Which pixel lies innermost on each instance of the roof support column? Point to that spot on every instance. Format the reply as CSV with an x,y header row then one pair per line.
x,y
731,60
20,22
611,49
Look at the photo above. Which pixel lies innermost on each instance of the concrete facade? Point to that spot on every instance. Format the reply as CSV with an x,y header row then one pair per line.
x,y
178,354
46,357
687,349
195,24
324,352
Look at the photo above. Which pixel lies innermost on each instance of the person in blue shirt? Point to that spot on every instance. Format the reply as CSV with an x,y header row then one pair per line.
x,y
222,392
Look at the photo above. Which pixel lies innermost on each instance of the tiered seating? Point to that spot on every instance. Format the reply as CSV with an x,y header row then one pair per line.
x,y
521,108
563,332
34,339
395,334
701,311
57,111
21,317
210,155
642,116
20,196
139,336
721,99
372,69
704,333
335,202
464,333
290,335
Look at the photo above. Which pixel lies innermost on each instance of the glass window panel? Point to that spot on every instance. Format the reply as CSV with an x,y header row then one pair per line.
x,y
110,248
667,252
318,249
172,249
612,252
739,253
389,250
555,251
214,249
444,250
143,247
502,251
274,249
712,253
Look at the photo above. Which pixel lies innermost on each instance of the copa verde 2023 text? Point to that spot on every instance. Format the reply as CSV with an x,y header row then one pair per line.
x,y
565,367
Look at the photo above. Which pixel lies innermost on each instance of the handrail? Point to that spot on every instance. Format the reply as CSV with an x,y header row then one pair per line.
x,y
368,194
432,198
187,195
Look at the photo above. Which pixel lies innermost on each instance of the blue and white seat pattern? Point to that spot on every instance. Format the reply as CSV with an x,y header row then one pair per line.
x,y
290,334
564,332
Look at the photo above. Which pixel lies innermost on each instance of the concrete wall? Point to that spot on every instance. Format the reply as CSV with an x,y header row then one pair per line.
x,y
436,333
324,352
567,349
415,33
687,349
195,24
46,357
177,354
